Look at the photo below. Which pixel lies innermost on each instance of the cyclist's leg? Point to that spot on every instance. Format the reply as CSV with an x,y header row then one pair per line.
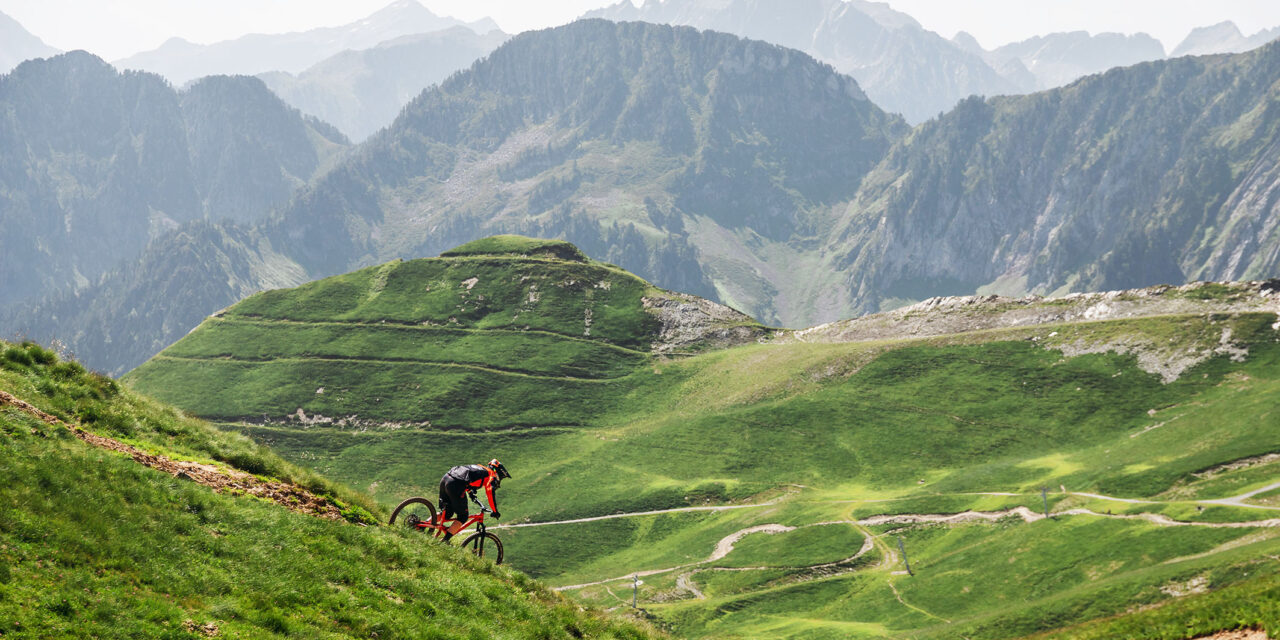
x,y
454,490
446,504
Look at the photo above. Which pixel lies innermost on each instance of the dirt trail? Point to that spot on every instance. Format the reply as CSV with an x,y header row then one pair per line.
x,y
1029,516
1239,501
723,548
725,545
825,570
637,514
220,480
685,583
1235,501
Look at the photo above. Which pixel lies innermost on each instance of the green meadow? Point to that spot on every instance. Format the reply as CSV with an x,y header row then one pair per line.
x,y
93,544
384,378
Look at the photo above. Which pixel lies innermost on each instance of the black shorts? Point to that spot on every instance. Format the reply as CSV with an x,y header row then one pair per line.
x,y
453,500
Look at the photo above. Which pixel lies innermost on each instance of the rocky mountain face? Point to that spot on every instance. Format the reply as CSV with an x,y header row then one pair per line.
x,y
1224,37
681,155
149,302
99,162
181,61
362,91
18,44
903,67
1160,173
100,165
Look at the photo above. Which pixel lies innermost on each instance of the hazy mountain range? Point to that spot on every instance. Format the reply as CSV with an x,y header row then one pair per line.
x,y
362,91
751,174
17,44
97,163
181,61
1060,58
1224,37
903,67
907,69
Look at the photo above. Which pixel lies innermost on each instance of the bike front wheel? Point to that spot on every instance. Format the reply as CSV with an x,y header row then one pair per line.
x,y
413,511
484,545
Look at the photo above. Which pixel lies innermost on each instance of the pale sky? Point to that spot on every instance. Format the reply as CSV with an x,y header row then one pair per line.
x,y
114,29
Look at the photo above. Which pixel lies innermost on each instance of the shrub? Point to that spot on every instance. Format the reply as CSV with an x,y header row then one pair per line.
x,y
66,371
19,356
40,354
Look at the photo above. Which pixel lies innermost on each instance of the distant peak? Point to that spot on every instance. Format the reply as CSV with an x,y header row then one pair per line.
x,y
1225,27
966,41
401,7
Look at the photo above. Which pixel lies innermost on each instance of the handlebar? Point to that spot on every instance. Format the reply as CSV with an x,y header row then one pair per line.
x,y
483,509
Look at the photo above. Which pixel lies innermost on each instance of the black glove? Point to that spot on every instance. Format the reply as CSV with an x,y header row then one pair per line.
x,y
497,516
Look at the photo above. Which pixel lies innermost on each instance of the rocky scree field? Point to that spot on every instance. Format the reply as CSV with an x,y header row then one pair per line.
x,y
760,480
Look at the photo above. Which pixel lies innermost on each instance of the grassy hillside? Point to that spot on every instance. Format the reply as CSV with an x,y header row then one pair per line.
x,y
94,544
783,473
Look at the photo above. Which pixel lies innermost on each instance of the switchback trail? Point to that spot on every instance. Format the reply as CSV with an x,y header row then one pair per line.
x,y
726,544
722,549
287,495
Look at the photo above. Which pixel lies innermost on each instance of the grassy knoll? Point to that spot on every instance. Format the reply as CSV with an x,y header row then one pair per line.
x,y
93,544
402,371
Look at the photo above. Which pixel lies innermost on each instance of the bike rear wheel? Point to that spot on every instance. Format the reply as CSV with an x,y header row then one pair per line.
x,y
413,511
484,545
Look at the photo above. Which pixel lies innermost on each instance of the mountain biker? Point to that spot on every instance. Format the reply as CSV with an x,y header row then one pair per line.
x,y
466,479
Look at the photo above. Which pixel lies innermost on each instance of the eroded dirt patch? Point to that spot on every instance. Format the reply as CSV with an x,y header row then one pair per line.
x,y
221,480
1239,634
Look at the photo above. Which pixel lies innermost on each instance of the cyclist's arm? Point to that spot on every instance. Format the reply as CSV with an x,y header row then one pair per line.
x,y
488,489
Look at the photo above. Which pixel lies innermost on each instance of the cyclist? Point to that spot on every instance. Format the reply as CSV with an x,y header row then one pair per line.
x,y
466,479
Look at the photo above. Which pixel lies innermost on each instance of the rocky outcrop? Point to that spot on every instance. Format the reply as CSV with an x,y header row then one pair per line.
x,y
690,323
961,314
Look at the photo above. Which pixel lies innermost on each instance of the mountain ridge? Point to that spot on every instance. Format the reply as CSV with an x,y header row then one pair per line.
x,y
904,68
363,91
181,61
17,44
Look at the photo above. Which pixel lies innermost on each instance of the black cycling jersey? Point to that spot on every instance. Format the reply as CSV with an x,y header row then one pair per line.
x,y
457,481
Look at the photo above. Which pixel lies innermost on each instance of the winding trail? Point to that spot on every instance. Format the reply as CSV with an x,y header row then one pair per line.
x,y
1238,501
1235,501
1030,516
685,581
725,546
637,514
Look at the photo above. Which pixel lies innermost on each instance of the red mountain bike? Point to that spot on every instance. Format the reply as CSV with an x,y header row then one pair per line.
x,y
419,514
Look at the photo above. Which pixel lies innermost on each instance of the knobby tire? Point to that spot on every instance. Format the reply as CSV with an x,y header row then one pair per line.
x,y
413,512
484,545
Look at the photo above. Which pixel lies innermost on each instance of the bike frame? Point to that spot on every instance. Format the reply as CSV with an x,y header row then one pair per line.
x,y
439,529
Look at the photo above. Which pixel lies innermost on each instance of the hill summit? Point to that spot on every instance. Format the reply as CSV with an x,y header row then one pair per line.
x,y
468,340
